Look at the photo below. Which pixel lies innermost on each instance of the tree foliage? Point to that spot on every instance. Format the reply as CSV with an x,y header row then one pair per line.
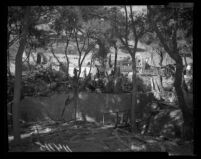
x,y
168,23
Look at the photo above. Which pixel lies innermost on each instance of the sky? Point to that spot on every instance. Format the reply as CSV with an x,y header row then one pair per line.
x,y
137,8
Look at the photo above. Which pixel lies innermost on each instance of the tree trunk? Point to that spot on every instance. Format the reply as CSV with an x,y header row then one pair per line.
x,y
187,114
115,60
67,69
75,91
76,99
18,78
134,96
174,54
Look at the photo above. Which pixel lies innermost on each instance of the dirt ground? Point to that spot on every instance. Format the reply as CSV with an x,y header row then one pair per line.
x,y
49,136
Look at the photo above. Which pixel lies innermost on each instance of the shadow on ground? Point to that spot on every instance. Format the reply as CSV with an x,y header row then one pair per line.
x,y
91,137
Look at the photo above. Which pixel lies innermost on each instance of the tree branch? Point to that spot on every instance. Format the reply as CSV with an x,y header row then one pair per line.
x,y
174,38
159,34
13,41
28,55
52,51
125,42
133,23
126,45
67,43
78,51
135,32
83,45
77,43
126,31
90,47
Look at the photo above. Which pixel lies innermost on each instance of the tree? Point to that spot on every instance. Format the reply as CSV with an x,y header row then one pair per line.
x,y
71,25
98,30
63,25
113,37
166,22
15,16
132,27
84,45
102,25
35,36
80,35
21,26
18,73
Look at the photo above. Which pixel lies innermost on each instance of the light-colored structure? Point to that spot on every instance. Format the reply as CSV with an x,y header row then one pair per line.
x,y
123,59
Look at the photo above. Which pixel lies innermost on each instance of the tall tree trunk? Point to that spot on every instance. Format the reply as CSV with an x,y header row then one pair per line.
x,y
115,60
187,114
134,96
76,99
75,91
67,59
18,77
67,69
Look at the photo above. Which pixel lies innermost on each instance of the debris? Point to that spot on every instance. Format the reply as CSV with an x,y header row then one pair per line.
x,y
88,138
68,148
50,147
138,148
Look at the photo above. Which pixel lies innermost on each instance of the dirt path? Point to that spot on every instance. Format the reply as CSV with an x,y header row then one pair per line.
x,y
90,137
